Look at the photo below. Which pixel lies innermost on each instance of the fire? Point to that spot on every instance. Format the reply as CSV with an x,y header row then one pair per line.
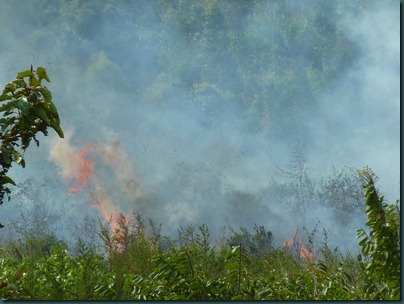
x,y
78,167
288,244
85,168
304,253
100,201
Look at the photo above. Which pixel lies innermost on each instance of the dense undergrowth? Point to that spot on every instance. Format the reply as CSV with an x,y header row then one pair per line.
x,y
137,262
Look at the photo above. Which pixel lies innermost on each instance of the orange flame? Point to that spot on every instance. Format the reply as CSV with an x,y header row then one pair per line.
x,y
86,173
107,208
78,167
288,244
304,253
85,168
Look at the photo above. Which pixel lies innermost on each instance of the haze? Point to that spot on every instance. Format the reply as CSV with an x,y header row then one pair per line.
x,y
200,105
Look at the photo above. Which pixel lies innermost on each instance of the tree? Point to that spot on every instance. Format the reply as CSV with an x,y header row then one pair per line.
x,y
381,247
27,108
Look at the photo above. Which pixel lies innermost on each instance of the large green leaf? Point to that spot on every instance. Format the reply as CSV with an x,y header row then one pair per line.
x,y
42,73
23,74
57,128
41,113
7,180
47,95
22,105
34,82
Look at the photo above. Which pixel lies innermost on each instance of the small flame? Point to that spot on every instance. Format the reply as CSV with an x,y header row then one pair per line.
x,y
288,244
304,252
85,168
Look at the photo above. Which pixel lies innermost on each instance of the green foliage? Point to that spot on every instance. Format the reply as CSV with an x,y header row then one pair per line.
x,y
26,108
139,264
129,252
134,266
381,247
32,246
258,243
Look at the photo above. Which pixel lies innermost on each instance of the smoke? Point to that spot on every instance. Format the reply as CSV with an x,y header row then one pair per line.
x,y
77,165
158,128
357,121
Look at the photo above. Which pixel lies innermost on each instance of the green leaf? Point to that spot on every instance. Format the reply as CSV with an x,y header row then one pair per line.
x,y
7,106
5,97
33,97
17,157
34,82
47,95
42,73
58,129
23,74
7,180
20,83
41,113
11,86
22,105
6,155
25,141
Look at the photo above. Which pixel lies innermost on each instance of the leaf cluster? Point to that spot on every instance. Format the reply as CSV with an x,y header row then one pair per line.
x,y
26,108
381,247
